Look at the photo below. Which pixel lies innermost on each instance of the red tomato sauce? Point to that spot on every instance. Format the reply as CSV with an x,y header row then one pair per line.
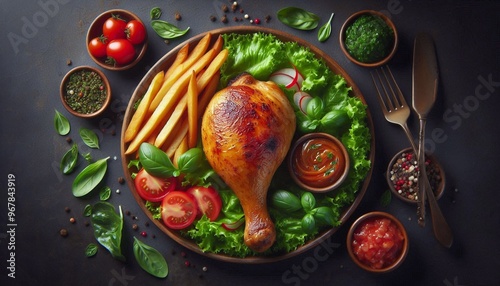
x,y
378,243
318,162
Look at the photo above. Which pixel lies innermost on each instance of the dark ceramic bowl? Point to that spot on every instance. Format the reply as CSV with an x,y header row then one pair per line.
x,y
350,21
95,30
400,254
341,154
436,177
106,86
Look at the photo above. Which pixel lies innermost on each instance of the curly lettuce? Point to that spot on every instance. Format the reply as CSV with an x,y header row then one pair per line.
x,y
261,54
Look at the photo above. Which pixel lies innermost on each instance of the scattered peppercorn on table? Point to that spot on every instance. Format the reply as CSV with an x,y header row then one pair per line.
x,y
102,236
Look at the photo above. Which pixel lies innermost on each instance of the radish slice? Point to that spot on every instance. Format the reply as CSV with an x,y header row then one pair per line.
x,y
289,77
233,225
301,99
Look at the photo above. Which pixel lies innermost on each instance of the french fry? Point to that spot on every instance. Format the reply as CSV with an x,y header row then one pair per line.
x,y
181,69
212,69
176,140
168,101
207,94
181,56
183,147
192,110
139,115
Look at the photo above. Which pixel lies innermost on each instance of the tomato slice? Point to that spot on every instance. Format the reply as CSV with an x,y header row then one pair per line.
x,y
178,210
152,188
209,201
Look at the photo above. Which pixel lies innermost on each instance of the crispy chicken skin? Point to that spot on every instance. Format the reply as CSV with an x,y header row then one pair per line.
x,y
247,130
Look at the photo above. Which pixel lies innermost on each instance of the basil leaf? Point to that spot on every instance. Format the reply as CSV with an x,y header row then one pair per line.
x,y
150,259
285,201
105,193
315,108
386,197
298,18
324,215
307,201
89,178
190,161
89,137
108,228
91,250
155,13
166,30
61,124
69,160
308,223
326,30
87,211
155,161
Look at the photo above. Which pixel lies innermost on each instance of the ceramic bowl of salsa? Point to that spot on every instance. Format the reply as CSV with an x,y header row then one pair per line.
x,y
368,38
318,162
85,92
377,242
403,177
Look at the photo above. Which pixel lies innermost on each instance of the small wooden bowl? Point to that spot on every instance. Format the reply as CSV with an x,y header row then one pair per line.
x,y
107,86
351,20
440,187
95,30
403,252
344,156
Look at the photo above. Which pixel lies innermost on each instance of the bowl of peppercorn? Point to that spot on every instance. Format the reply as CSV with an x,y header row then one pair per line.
x,y
85,92
368,38
403,175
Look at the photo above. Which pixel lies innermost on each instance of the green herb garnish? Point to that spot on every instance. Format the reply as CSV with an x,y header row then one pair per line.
x,y
326,30
155,13
166,30
108,227
61,124
150,259
298,18
69,160
89,178
89,137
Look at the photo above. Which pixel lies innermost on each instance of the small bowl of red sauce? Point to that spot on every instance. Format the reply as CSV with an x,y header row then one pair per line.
x,y
318,162
377,242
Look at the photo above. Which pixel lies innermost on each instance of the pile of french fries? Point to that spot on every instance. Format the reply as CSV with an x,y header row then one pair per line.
x,y
168,115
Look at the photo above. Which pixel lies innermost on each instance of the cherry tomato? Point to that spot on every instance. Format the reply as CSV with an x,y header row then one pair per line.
x,y
208,200
152,188
114,28
120,51
178,210
135,31
97,47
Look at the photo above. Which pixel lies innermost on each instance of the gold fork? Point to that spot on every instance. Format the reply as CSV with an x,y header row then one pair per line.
x,y
396,111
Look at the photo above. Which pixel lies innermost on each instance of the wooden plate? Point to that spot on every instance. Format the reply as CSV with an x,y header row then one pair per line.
x,y
163,64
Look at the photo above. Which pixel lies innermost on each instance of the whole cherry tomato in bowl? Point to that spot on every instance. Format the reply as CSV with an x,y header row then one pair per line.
x,y
120,52
136,32
114,28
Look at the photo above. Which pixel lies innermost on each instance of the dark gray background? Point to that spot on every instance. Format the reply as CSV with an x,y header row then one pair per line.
x,y
467,37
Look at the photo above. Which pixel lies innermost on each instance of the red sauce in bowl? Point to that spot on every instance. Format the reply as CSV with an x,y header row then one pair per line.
x,y
378,243
318,162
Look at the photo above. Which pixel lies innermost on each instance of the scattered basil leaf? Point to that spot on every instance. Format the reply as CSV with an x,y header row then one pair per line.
x,y
87,211
386,198
91,250
326,30
285,201
155,13
89,177
61,124
166,30
308,201
190,161
69,160
155,161
105,193
308,224
90,138
150,259
87,157
298,18
108,227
